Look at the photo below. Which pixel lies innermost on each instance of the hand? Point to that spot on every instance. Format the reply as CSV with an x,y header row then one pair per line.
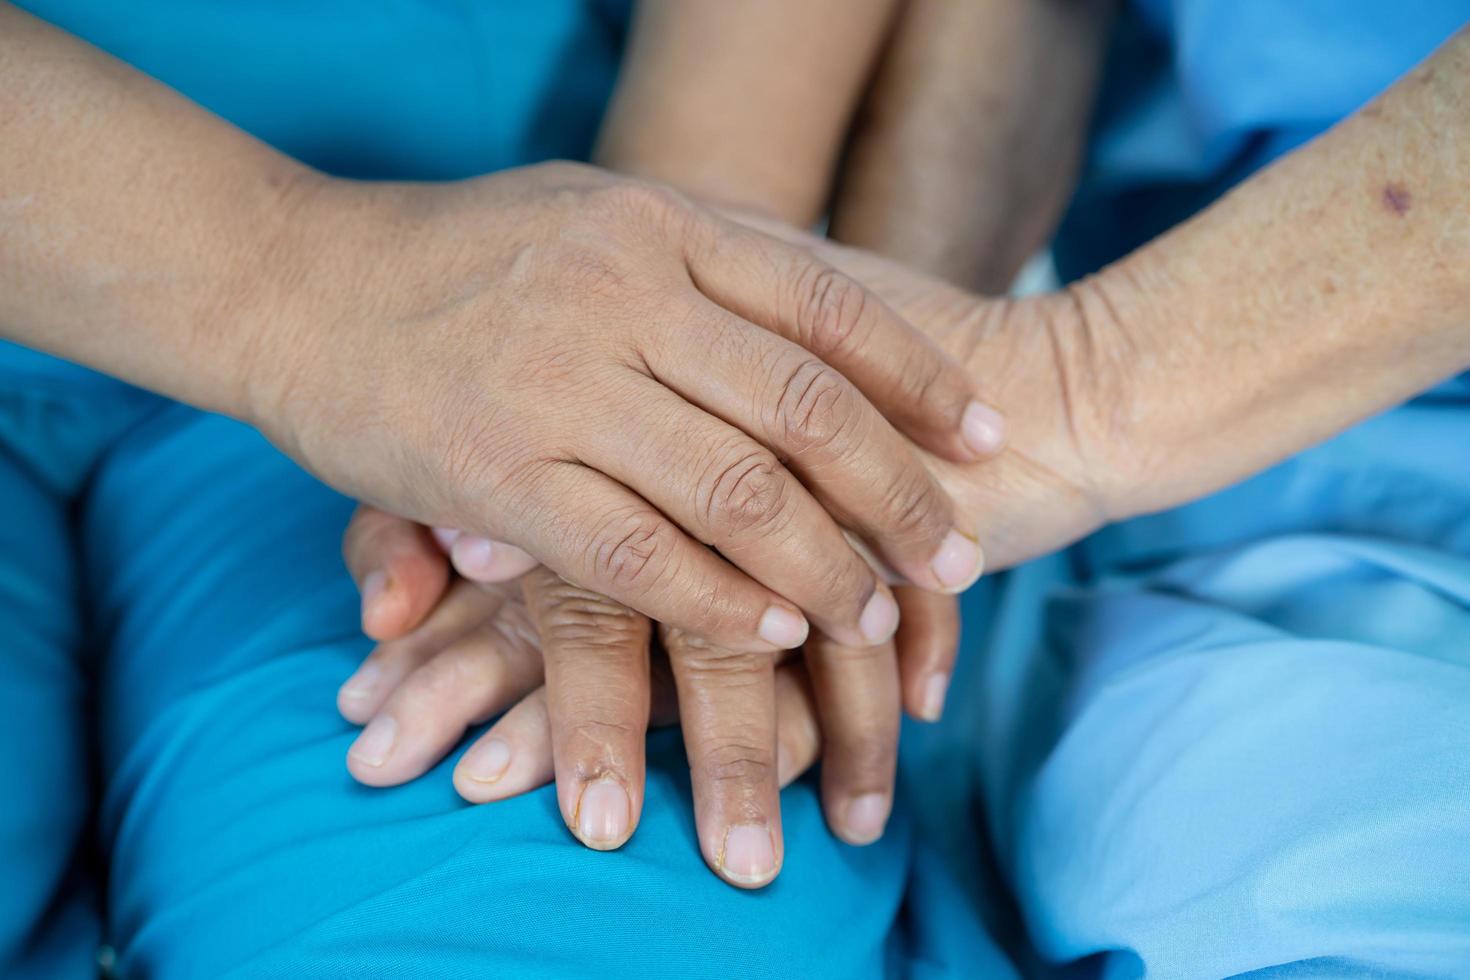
x,y
455,654
558,358
1061,368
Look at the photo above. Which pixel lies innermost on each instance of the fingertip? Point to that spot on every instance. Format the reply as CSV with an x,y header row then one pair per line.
x,y
929,704
368,756
747,856
957,563
479,777
357,697
483,560
862,819
879,619
783,627
603,818
983,429
382,608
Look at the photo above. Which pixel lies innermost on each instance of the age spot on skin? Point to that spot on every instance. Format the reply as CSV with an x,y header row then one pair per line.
x,y
1396,198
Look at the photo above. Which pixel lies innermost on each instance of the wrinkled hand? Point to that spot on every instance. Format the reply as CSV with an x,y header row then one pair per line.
x,y
455,653
613,379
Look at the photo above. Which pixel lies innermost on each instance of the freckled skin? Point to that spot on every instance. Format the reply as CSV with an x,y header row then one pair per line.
x,y
1396,198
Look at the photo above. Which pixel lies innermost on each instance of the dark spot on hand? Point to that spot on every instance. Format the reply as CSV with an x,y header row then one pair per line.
x,y
1396,198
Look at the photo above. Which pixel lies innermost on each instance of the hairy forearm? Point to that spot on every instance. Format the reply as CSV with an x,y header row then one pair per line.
x,y
132,222
1329,287
743,104
966,148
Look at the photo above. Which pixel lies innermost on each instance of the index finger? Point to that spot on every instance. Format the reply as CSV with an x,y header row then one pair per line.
x,y
790,291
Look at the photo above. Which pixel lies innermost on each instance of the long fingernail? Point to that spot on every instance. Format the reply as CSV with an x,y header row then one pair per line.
x,y
375,744
932,704
487,761
958,562
864,818
361,685
749,854
783,628
879,618
374,584
603,815
984,429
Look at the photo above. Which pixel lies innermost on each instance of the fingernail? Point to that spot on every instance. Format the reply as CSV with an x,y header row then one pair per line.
x,y
603,815
360,686
375,744
374,584
879,618
958,562
445,536
932,705
783,628
472,555
487,761
865,818
984,429
749,855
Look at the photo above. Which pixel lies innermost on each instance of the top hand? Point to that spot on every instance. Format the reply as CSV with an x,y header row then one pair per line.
x,y
559,358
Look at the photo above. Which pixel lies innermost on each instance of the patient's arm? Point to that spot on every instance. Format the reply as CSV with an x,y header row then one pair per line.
x,y
1328,287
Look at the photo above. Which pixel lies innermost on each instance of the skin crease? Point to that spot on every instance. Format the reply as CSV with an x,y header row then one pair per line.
x,y
405,355
1098,436
804,112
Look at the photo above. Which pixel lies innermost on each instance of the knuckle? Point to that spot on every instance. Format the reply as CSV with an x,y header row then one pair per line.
x,y
592,272
867,755
657,203
632,551
814,406
831,311
913,510
705,662
924,380
747,494
735,761
444,681
575,617
604,733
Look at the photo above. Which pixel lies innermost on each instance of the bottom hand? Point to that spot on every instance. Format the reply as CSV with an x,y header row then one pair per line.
x,y
751,724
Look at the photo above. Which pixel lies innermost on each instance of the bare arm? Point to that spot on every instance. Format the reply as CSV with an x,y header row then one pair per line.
x,y
1327,288
132,222
744,104
966,148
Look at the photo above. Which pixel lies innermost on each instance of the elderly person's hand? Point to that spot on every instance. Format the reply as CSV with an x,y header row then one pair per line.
x,y
613,379
454,653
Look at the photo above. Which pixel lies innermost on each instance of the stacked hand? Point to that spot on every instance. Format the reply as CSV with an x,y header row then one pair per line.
x,y
577,669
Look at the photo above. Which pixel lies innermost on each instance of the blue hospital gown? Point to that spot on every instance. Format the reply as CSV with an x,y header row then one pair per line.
x,y
1224,739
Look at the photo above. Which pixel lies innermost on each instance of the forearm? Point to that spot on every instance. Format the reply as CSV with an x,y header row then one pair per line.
x,y
743,104
133,224
1329,287
966,148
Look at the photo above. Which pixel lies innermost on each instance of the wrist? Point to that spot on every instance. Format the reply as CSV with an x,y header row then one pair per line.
x,y
294,292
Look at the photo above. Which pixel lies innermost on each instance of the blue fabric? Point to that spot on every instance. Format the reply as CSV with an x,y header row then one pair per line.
x,y
1230,738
